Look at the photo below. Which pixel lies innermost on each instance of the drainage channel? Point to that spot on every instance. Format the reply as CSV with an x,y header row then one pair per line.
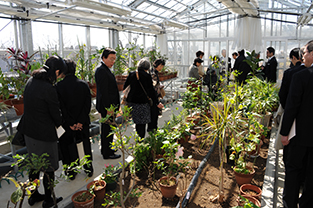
x,y
196,176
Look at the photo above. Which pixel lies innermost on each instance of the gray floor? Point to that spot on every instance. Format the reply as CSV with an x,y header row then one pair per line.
x,y
67,188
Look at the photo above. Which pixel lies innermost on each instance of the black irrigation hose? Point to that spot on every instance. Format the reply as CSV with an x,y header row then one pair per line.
x,y
196,176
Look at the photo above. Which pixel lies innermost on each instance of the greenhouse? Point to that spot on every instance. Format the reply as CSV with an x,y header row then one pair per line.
x,y
193,94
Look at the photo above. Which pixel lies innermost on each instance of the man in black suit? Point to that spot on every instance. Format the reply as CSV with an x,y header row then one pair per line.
x,y
296,60
107,95
299,161
241,67
270,69
297,66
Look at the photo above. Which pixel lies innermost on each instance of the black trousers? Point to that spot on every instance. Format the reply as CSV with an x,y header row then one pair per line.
x,y
106,140
153,125
141,130
299,167
68,147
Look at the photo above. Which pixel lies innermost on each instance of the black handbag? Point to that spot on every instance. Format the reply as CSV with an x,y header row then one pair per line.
x,y
19,139
150,101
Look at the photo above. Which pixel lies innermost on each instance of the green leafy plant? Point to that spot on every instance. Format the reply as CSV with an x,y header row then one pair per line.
x,y
123,143
253,60
246,203
110,173
114,198
172,161
85,64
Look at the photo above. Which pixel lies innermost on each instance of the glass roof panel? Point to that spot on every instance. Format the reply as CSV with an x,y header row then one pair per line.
x,y
170,4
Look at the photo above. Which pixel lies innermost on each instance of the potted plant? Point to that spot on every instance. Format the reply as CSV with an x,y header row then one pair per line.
x,y
171,163
97,188
22,67
250,190
248,201
110,176
85,67
83,199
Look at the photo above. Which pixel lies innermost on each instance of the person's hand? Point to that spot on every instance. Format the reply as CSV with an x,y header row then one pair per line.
x,y
73,127
79,126
160,105
284,140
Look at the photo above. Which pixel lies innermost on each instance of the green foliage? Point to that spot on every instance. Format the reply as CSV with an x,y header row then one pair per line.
x,y
85,64
120,64
246,203
114,198
253,60
110,173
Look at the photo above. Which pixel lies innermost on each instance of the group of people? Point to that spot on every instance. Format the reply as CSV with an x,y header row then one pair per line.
x,y
296,98
50,105
221,66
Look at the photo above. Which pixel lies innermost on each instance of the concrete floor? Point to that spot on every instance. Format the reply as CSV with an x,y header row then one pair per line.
x,y
67,188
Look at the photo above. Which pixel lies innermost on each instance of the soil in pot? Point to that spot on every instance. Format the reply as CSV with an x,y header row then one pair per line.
x,y
168,186
251,190
83,199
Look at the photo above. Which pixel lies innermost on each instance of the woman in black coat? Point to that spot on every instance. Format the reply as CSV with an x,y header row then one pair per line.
x,y
140,95
155,109
39,122
75,102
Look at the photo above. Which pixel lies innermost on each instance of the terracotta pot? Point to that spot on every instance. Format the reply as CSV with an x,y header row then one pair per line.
x,y
86,204
99,190
244,178
245,187
18,105
250,198
120,85
93,89
168,191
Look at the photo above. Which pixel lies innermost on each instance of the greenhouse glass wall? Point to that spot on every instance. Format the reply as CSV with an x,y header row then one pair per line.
x,y
178,28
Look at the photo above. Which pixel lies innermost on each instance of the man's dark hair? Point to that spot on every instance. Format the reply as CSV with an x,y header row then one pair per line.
x,y
106,52
235,53
199,53
294,52
197,60
271,50
309,46
241,52
158,62
71,67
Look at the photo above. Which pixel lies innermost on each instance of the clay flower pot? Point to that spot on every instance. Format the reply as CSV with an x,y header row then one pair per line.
x,y
242,178
79,200
99,189
168,191
18,105
250,198
244,190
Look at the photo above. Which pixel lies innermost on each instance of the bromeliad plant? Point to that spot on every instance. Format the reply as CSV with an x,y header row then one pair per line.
x,y
21,66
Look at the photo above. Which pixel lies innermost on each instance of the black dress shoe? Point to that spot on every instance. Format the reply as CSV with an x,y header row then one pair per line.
x,y
114,156
48,204
33,199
